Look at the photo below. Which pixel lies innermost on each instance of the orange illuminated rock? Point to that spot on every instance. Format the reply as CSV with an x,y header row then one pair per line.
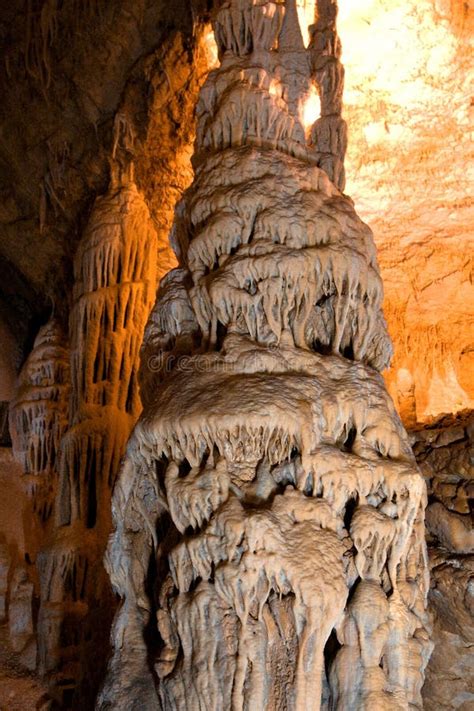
x,y
407,103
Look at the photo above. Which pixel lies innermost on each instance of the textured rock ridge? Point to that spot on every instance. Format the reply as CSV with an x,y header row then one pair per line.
x,y
445,452
269,540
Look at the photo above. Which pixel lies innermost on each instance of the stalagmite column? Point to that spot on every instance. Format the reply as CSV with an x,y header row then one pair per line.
x,y
114,290
38,421
268,516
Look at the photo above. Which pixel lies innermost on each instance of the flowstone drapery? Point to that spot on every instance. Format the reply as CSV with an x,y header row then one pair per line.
x,y
38,421
268,516
114,287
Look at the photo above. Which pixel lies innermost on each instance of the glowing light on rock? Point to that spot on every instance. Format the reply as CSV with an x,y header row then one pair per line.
x,y
397,52
274,88
311,109
306,13
407,101
210,47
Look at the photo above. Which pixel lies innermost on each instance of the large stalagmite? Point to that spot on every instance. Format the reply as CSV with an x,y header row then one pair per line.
x,y
269,543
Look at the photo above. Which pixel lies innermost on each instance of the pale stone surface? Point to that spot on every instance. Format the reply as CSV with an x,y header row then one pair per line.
x,y
268,513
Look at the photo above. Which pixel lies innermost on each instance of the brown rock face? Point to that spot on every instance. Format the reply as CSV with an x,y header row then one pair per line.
x,y
445,454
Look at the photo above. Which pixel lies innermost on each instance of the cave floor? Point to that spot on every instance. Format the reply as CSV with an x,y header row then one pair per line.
x,y
20,690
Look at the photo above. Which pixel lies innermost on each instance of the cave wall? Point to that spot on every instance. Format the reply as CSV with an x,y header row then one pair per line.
x,y
409,170
65,74
444,452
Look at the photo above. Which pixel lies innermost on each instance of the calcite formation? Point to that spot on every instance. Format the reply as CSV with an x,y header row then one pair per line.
x,y
114,289
330,131
269,539
39,419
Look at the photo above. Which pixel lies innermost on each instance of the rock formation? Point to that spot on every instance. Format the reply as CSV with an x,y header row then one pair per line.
x,y
38,421
70,420
118,262
269,541
114,288
445,453
330,130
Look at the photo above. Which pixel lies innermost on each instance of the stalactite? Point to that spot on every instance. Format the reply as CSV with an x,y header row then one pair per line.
x,y
268,515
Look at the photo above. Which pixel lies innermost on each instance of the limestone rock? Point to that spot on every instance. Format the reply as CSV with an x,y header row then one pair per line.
x,y
268,514
449,681
406,171
455,532
38,421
